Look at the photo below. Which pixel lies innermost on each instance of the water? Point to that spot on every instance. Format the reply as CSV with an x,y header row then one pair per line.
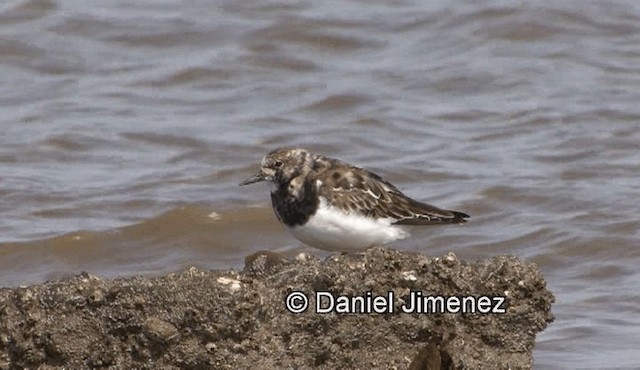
x,y
125,129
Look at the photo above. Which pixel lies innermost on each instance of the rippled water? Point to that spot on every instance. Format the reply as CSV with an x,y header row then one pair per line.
x,y
127,126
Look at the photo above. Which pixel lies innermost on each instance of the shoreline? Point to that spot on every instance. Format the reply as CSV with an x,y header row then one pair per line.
x,y
228,319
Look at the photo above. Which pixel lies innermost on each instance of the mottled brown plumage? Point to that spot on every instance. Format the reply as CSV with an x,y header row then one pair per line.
x,y
354,189
300,177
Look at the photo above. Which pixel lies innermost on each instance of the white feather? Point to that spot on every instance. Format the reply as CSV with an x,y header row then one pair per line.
x,y
334,230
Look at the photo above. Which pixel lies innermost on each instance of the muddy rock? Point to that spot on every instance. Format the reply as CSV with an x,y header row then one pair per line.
x,y
238,319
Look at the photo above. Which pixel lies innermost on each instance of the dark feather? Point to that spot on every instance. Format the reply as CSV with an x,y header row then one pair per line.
x,y
353,189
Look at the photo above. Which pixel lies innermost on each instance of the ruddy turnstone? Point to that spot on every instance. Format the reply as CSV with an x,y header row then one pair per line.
x,y
332,205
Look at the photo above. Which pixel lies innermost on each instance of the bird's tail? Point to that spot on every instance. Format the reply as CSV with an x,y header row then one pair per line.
x,y
458,217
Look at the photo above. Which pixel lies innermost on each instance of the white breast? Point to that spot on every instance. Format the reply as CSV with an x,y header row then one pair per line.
x,y
334,230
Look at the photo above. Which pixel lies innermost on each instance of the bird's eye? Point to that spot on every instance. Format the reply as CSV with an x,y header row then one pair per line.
x,y
277,164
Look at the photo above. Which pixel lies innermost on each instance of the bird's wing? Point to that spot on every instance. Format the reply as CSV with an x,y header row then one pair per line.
x,y
353,189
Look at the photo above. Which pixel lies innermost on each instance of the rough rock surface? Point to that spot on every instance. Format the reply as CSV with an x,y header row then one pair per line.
x,y
237,320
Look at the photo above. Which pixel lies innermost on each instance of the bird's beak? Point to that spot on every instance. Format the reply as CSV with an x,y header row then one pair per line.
x,y
255,178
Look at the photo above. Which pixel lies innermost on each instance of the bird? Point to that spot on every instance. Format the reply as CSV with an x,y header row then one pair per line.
x,y
334,206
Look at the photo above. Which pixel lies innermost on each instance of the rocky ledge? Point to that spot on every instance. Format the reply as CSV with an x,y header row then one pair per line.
x,y
238,319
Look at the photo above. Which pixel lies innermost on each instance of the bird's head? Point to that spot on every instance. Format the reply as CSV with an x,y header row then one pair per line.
x,y
282,165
